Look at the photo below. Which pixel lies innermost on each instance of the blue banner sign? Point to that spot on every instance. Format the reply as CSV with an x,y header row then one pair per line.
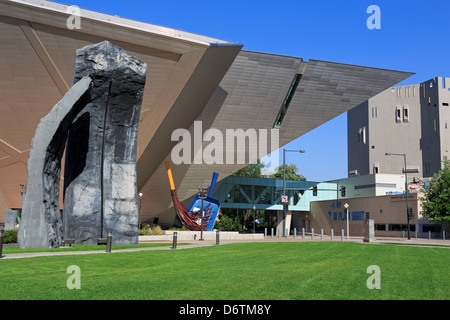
x,y
341,215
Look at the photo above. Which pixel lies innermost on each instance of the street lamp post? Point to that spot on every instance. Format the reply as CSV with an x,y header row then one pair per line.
x,y
202,196
254,217
284,184
406,188
140,209
346,213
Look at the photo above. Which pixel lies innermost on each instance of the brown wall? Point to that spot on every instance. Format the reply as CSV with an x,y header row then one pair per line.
x,y
387,210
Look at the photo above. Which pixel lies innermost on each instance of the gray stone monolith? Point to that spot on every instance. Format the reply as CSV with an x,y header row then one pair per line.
x,y
41,225
10,219
100,190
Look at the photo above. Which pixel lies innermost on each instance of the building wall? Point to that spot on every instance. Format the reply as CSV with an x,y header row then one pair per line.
x,y
389,212
410,119
357,139
444,106
370,185
430,143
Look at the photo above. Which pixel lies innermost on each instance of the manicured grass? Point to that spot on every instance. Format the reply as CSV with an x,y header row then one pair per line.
x,y
15,249
300,270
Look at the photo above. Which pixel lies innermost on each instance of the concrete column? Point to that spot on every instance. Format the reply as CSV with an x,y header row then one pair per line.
x,y
280,222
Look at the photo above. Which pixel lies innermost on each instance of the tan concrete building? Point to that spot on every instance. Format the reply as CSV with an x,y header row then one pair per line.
x,y
388,213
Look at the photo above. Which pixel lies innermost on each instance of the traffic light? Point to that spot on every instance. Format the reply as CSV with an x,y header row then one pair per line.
x,y
410,213
342,191
315,191
285,207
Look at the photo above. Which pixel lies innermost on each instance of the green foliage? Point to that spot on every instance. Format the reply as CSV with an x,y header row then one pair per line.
x,y
291,173
225,223
150,230
436,203
253,170
10,236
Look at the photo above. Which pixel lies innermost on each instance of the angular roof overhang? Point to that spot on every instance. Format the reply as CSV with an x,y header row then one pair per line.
x,y
184,69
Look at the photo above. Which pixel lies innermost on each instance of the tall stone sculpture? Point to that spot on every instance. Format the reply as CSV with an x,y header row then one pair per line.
x,y
41,225
100,191
98,118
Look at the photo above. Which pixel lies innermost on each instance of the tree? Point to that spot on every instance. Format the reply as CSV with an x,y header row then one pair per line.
x,y
226,223
253,170
291,173
436,202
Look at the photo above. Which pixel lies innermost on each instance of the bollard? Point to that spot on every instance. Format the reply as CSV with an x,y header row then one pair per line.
x,y
342,234
217,237
443,235
108,242
312,233
332,234
416,234
174,241
321,234
403,232
303,233
272,232
287,233
295,233
1,242
265,232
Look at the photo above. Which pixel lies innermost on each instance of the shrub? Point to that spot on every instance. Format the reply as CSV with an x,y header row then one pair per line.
x,y
10,236
149,231
226,223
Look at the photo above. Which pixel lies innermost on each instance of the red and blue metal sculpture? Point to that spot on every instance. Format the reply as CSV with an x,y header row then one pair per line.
x,y
191,218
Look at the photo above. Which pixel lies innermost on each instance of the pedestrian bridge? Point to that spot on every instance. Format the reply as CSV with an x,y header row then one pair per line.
x,y
265,194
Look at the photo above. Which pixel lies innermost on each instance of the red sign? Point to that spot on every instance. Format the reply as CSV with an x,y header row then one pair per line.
x,y
284,199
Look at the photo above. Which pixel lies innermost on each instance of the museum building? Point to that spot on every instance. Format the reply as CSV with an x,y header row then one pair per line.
x,y
190,79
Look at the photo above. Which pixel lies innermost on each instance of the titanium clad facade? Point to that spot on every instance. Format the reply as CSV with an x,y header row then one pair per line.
x,y
37,53
251,96
328,89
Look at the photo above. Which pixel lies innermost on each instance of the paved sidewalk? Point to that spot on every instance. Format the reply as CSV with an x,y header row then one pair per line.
x,y
206,243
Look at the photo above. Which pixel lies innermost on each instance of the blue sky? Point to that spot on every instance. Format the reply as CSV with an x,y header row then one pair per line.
x,y
414,36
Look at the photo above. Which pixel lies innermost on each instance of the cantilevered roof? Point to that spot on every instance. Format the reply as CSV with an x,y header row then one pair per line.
x,y
250,96
37,52
41,6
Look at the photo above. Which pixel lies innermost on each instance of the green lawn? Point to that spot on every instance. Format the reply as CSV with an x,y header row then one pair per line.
x,y
16,249
300,270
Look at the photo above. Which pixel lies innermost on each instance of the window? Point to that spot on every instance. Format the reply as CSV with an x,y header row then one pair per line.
x,y
362,135
429,228
380,227
445,104
398,114
406,113
395,227
287,101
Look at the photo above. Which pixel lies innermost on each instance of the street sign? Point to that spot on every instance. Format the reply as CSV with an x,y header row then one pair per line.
x,y
284,199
